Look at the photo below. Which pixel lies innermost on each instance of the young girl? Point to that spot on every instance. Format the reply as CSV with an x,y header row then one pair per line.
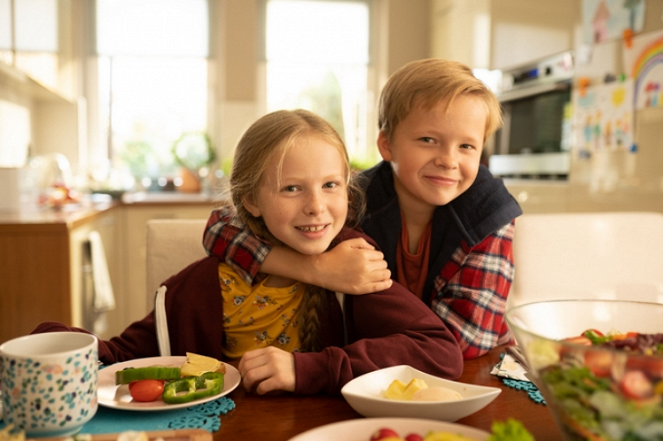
x,y
290,184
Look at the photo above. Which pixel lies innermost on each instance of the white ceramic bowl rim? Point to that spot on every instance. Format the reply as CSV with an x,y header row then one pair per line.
x,y
67,342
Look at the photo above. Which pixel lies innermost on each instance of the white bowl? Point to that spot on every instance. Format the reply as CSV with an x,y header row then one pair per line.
x,y
364,394
361,430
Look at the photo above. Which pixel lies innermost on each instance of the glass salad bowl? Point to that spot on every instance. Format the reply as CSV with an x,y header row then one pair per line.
x,y
598,363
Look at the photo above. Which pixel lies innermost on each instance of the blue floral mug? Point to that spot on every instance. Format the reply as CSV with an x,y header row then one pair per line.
x,y
49,382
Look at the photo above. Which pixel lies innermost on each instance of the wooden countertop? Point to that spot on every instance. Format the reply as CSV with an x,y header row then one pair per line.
x,y
68,217
73,215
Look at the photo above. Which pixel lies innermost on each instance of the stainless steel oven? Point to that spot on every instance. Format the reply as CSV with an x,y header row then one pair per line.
x,y
535,139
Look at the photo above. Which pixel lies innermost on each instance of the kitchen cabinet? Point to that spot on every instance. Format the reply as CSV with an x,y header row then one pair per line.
x,y
40,265
45,271
522,31
497,34
55,119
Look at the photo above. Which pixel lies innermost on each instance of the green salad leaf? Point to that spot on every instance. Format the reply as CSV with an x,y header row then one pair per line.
x,y
509,430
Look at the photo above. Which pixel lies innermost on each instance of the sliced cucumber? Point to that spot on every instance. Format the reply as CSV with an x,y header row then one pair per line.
x,y
128,375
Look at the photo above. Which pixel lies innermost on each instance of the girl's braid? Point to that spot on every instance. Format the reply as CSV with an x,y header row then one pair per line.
x,y
309,320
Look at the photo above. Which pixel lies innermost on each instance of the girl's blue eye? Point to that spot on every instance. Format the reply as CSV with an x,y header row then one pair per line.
x,y
330,185
426,139
290,188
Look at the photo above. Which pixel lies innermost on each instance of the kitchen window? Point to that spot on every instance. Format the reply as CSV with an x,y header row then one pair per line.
x,y
317,58
152,84
34,53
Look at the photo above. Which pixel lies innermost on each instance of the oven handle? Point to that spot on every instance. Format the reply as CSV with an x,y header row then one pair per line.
x,y
538,89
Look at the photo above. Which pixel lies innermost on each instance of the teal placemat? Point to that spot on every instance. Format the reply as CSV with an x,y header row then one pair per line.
x,y
202,416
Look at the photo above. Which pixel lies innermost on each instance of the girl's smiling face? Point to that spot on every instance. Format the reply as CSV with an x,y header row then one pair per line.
x,y
303,196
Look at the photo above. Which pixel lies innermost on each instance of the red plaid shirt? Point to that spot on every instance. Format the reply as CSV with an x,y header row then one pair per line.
x,y
470,291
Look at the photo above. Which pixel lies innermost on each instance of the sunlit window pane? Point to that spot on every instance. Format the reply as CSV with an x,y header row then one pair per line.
x,y
152,80
152,27
317,31
5,25
317,59
151,110
36,25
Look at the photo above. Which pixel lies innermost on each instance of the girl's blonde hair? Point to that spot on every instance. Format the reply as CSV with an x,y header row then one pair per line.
x,y
428,82
274,134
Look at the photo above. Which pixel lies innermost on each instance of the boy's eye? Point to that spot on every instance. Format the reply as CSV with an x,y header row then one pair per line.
x,y
290,188
466,146
330,185
427,139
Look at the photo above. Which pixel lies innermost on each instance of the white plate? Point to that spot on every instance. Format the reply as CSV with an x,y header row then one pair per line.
x,y
364,394
362,429
118,397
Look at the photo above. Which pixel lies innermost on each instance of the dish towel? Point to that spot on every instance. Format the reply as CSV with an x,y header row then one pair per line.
x,y
513,374
103,290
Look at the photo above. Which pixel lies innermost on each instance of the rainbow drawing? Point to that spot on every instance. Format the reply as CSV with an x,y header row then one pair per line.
x,y
651,56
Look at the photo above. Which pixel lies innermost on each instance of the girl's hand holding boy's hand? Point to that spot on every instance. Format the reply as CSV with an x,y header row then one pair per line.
x,y
352,267
267,369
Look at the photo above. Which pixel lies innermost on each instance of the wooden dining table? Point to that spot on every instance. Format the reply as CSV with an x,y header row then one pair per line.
x,y
281,417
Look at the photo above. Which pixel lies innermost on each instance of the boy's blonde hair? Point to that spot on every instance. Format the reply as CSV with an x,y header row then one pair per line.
x,y
426,83
274,134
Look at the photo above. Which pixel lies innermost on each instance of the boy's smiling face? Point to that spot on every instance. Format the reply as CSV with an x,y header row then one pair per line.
x,y
435,154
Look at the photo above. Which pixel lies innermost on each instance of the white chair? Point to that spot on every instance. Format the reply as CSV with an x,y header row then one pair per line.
x,y
172,245
588,255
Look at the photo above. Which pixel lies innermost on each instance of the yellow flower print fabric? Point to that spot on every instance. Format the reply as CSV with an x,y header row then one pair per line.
x,y
258,316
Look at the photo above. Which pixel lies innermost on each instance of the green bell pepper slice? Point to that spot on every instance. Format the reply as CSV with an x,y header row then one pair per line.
x,y
193,388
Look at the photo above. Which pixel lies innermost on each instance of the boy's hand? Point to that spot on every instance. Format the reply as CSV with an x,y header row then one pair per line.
x,y
267,369
352,267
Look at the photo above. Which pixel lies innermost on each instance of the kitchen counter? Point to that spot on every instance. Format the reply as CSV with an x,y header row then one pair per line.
x,y
72,215
43,257
41,263
551,196
69,216
148,198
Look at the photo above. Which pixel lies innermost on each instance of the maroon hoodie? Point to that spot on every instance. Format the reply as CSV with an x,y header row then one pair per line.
x,y
373,331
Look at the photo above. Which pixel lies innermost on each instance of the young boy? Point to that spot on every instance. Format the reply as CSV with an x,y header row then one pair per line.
x,y
443,222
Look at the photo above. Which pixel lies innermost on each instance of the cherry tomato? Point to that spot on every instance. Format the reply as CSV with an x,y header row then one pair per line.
x,y
651,366
579,340
599,362
636,385
625,336
414,437
146,390
596,331
384,434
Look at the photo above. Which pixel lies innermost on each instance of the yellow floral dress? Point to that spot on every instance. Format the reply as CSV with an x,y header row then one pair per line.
x,y
258,316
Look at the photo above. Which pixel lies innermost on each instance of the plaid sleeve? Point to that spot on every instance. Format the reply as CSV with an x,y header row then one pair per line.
x,y
471,292
228,238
